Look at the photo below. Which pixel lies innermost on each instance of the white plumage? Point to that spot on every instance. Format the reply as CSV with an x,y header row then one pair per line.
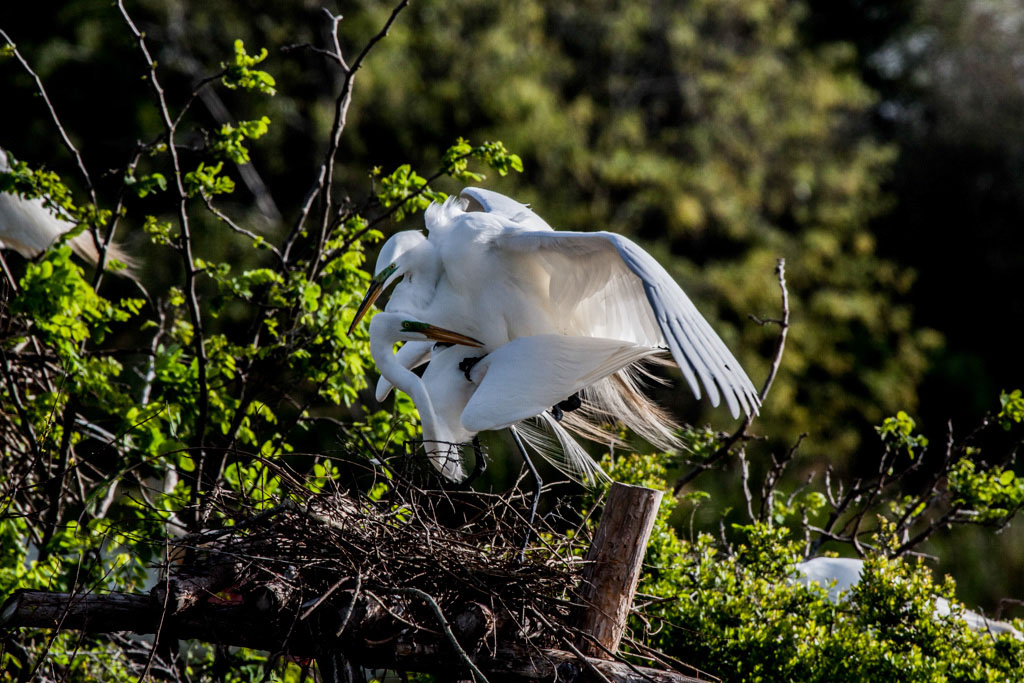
x,y
519,380
491,269
30,227
495,277
840,574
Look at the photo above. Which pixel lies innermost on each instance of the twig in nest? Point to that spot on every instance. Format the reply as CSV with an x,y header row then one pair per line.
x,y
615,655
397,617
477,674
667,661
567,642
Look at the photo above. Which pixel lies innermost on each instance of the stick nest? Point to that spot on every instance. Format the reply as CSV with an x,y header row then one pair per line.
x,y
368,570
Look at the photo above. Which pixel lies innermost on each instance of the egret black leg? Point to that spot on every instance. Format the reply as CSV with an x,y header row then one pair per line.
x,y
479,464
536,495
570,404
467,364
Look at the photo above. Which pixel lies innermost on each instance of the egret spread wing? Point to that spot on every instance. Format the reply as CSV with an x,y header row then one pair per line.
x,y
603,284
412,355
480,199
528,375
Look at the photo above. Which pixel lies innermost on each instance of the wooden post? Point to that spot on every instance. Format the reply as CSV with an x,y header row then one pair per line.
x,y
613,565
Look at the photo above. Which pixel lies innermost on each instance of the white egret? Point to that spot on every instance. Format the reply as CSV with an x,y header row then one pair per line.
x,y
503,273
489,201
840,574
519,380
30,227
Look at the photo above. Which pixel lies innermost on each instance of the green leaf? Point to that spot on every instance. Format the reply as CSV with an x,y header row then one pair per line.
x,y
240,74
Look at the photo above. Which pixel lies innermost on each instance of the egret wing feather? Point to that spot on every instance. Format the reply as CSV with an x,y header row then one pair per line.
x,y
479,199
606,285
528,375
706,351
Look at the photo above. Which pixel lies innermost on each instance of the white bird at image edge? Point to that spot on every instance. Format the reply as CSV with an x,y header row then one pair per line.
x,y
838,575
30,227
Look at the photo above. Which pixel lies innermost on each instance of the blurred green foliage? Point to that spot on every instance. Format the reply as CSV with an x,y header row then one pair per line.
x,y
120,416
710,131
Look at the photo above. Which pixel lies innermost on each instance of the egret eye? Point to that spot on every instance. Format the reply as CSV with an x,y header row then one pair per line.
x,y
383,275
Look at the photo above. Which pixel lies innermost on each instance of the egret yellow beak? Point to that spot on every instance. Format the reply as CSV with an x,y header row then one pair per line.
x,y
375,290
440,334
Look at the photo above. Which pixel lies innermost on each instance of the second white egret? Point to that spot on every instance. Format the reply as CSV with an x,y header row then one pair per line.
x,y
464,391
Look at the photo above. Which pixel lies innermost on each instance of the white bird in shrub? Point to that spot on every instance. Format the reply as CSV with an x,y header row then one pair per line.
x,y
30,227
840,574
495,271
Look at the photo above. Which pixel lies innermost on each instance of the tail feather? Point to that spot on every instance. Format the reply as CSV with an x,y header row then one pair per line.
x,y
619,398
31,226
559,448
84,245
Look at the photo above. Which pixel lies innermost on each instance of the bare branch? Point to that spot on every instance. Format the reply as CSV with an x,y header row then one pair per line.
x,y
185,249
780,345
239,229
325,177
53,114
333,56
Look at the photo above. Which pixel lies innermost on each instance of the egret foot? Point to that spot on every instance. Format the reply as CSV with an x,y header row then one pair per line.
x,y
567,406
467,364
479,464
570,404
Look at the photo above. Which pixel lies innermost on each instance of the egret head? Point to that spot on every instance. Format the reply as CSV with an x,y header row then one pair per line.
x,y
388,328
392,263
397,246
418,330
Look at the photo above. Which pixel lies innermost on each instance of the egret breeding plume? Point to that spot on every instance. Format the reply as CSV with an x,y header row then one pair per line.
x,y
462,393
492,269
30,227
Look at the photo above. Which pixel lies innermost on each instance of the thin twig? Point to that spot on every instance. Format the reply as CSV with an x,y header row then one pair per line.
x,y
314,49
185,248
325,177
240,230
8,275
780,345
53,114
163,612
446,627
